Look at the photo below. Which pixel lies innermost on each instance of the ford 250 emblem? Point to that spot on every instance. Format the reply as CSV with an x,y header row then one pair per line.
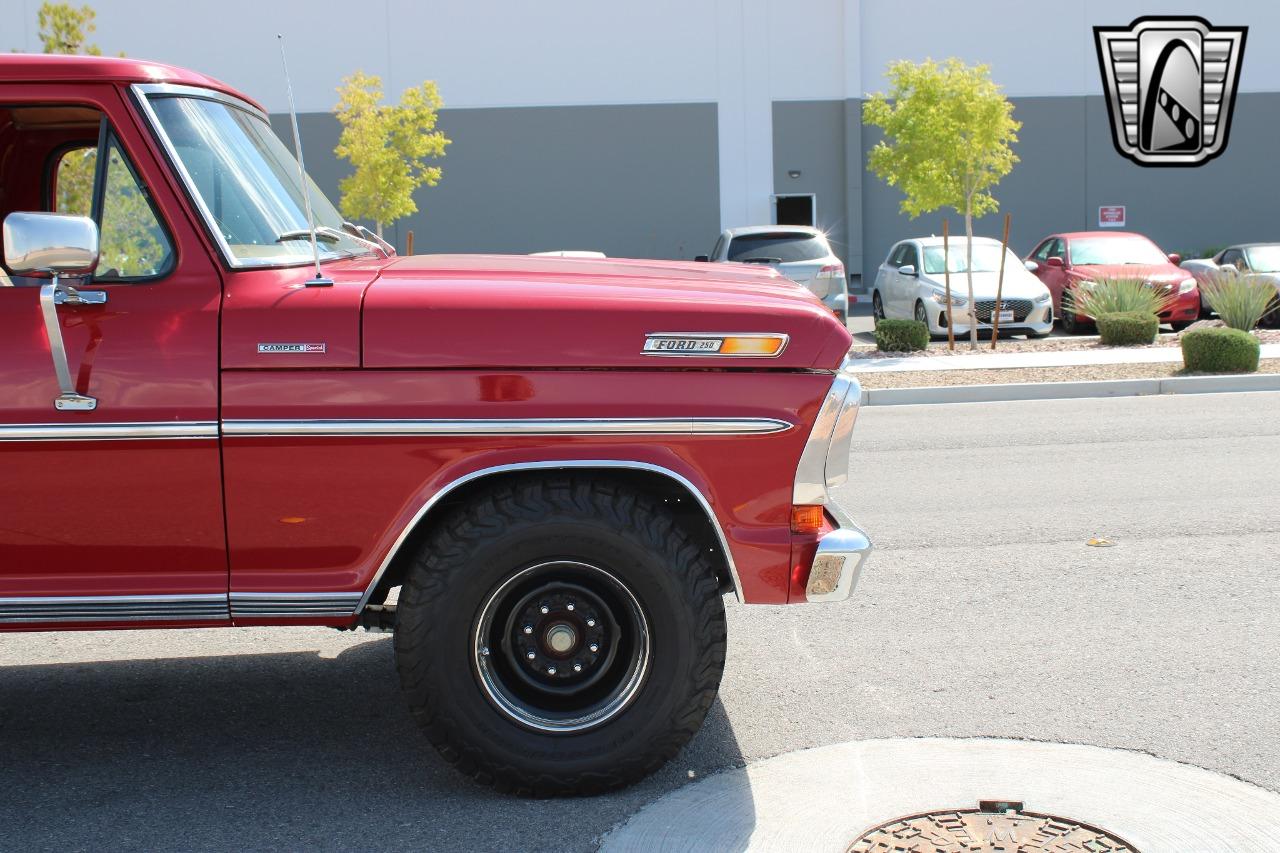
x,y
289,348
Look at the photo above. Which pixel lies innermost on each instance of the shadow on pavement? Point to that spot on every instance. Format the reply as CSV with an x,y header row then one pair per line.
x,y
285,750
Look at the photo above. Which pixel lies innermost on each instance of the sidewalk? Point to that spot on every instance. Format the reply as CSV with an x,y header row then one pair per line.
x,y
1061,358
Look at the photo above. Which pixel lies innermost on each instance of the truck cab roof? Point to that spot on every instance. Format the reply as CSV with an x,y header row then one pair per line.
x,y
45,68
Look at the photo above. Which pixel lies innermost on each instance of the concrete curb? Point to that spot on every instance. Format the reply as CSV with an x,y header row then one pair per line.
x,y
1070,390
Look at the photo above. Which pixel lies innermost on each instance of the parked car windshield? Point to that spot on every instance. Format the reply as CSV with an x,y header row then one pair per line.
x,y
249,184
1264,258
781,247
986,258
1116,250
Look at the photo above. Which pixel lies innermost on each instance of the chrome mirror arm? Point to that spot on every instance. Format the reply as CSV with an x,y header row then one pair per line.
x,y
52,295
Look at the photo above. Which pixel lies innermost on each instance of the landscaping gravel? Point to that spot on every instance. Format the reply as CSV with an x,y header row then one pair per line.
x,y
1017,376
937,348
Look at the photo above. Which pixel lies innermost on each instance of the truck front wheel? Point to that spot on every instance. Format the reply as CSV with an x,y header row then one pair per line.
x,y
560,636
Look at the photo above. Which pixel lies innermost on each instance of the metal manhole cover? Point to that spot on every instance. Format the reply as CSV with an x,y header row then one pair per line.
x,y
993,827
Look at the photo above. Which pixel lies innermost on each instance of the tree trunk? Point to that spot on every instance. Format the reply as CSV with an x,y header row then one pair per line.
x,y
377,229
968,271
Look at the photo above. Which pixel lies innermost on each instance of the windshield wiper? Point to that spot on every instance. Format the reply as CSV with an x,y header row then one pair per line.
x,y
323,233
760,260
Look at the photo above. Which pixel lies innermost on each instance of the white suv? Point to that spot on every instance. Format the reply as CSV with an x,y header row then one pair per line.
x,y
799,252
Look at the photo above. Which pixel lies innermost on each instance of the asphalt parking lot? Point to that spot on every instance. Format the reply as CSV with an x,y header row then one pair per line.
x,y
983,612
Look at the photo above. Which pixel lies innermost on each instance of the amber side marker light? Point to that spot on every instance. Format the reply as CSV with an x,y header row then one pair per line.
x,y
806,519
771,345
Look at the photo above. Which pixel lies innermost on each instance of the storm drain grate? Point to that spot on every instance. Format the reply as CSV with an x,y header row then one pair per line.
x,y
996,826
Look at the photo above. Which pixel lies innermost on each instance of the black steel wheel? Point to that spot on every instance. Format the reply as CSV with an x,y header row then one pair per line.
x,y
877,306
560,636
561,646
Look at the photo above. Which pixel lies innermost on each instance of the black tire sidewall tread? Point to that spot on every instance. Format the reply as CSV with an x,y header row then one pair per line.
x,y
528,521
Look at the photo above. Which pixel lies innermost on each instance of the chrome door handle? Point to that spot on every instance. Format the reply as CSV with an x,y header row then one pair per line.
x,y
51,296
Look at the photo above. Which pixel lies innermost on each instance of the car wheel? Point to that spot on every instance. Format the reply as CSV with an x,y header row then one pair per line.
x,y
560,636
1180,326
1033,335
1070,325
877,307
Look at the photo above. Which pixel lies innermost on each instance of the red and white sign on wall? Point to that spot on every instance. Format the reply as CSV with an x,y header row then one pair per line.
x,y
1111,216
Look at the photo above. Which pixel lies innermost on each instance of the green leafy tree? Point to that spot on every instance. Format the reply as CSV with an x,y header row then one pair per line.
x,y
389,146
66,29
948,130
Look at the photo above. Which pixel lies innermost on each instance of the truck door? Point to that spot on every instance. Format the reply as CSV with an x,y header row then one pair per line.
x,y
110,514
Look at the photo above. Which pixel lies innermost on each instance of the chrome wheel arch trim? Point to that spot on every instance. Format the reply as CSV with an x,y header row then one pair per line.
x,y
569,464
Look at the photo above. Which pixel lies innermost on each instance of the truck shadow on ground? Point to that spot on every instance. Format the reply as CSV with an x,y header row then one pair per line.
x,y
285,751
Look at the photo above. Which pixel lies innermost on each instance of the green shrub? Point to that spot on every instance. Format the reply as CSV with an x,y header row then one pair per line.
x,y
1240,300
1117,296
1127,329
1218,350
901,335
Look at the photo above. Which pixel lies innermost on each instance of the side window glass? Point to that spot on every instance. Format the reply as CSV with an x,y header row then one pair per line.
x,y
133,243
1042,253
73,180
911,256
715,253
1057,249
895,260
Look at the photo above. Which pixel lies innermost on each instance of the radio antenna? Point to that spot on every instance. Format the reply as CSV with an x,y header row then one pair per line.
x,y
320,280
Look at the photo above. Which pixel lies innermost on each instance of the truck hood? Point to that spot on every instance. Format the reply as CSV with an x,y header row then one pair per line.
x,y
500,311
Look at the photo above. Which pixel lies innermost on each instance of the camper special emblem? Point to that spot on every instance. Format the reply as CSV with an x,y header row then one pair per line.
x,y
289,348
1170,85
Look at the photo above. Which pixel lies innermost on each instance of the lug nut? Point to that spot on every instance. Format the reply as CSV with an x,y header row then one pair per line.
x,y
569,606
551,670
591,623
545,609
531,655
528,629
577,667
595,647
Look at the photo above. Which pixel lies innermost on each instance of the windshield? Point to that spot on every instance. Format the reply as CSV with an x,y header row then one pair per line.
x,y
248,184
1264,258
1115,250
986,258
778,248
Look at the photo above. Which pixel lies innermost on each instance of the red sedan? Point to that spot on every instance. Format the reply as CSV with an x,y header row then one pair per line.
x,y
1062,260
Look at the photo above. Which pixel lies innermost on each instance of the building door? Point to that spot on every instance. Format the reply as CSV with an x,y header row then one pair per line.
x,y
795,209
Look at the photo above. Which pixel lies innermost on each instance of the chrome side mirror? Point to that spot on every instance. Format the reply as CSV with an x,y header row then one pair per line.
x,y
907,269
40,244
55,245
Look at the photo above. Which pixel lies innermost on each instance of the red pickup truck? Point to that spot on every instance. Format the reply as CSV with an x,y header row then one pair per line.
x,y
545,502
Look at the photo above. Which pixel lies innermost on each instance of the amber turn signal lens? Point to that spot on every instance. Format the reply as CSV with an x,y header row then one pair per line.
x,y
755,345
806,519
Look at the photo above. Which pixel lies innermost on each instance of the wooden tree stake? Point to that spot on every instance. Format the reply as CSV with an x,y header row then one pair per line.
x,y
946,275
1004,250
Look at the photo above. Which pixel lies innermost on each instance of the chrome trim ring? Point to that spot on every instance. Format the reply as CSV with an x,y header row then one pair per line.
x,y
486,657
108,431
575,464
522,426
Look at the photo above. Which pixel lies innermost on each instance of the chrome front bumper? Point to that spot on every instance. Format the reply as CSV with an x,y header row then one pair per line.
x,y
824,464
838,562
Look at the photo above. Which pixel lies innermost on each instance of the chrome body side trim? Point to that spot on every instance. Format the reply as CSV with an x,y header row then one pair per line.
x,y
260,605
574,464
113,608
824,462
838,563
108,431
523,426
